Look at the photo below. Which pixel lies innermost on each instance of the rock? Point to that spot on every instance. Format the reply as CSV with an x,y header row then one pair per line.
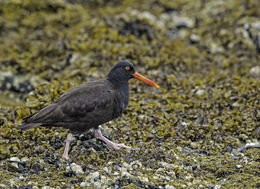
x,y
76,169
14,159
200,92
243,136
105,169
169,187
85,184
84,167
144,179
97,185
255,71
47,187
92,176
68,172
195,38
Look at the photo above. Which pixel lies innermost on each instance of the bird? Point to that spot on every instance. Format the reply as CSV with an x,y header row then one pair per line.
x,y
89,105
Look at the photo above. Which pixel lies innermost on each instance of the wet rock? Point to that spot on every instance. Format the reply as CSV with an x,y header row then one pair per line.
x,y
137,28
92,176
76,169
194,167
85,184
14,159
229,149
84,167
169,187
47,187
57,164
255,71
36,167
57,143
200,92
16,83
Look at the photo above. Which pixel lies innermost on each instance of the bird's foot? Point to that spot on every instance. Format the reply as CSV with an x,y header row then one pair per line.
x,y
65,156
67,146
115,146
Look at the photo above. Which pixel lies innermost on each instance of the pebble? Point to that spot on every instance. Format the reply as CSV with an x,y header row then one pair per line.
x,y
36,167
97,185
144,179
169,187
200,92
194,166
14,159
47,187
85,184
76,169
105,169
255,71
229,149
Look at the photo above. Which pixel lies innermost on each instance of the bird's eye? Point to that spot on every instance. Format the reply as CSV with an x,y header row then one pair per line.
x,y
127,68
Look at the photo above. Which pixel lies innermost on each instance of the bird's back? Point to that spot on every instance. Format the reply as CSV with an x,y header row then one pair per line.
x,y
85,106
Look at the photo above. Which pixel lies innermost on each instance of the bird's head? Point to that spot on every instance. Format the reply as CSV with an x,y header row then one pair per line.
x,y
124,70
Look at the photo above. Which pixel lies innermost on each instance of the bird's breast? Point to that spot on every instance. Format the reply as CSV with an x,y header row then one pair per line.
x,y
120,102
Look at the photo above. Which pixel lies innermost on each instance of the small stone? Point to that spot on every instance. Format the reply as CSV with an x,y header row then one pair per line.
x,y
25,159
14,159
193,145
84,184
195,38
200,92
103,179
184,124
16,167
238,166
194,167
105,169
116,173
47,187
125,173
84,167
76,169
95,174
243,136
57,164
144,179
21,178
235,157
36,167
255,71
229,149
169,187
97,185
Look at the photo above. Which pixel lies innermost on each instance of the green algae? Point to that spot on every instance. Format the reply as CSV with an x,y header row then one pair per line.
x,y
199,53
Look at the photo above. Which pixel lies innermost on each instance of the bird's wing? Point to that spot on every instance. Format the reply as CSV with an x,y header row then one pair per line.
x,y
90,103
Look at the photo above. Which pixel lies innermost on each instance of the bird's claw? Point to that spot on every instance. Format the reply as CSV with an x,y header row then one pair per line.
x,y
118,146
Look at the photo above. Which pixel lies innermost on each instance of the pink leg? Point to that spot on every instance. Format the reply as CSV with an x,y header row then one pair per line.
x,y
115,146
67,147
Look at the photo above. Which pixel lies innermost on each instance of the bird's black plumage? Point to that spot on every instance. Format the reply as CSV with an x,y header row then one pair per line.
x,y
88,105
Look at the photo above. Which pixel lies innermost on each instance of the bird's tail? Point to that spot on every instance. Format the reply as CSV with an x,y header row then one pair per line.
x,y
28,126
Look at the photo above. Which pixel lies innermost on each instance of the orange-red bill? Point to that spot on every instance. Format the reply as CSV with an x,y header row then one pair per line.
x,y
145,80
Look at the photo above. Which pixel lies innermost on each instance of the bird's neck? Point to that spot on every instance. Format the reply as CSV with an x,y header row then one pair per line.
x,y
121,86
118,82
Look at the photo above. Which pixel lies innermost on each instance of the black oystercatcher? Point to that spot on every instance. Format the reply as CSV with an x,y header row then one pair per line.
x,y
90,105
